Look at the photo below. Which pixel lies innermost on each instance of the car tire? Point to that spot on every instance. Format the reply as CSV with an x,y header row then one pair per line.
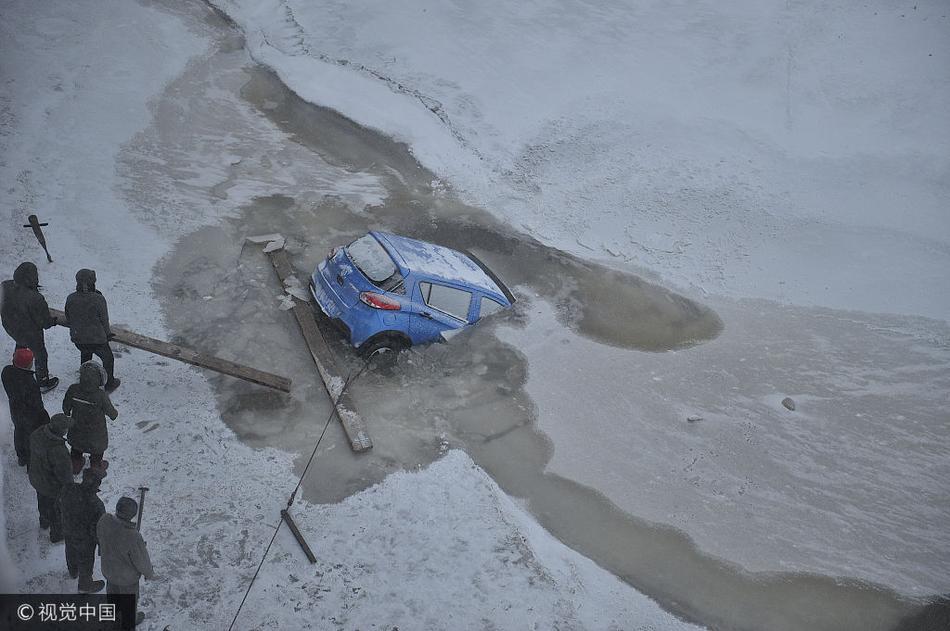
x,y
383,350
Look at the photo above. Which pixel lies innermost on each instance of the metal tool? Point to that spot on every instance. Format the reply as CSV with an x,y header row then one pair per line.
x,y
38,233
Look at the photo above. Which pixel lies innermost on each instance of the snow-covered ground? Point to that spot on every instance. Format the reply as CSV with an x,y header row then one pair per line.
x,y
422,550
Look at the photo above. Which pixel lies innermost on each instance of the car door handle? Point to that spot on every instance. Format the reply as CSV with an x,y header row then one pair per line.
x,y
339,279
426,315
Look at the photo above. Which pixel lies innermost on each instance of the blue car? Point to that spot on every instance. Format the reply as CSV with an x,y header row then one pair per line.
x,y
388,292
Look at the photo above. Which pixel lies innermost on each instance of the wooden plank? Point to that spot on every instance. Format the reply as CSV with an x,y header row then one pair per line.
x,y
353,423
190,356
298,535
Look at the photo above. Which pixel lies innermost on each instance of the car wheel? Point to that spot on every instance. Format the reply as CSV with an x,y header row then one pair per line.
x,y
383,350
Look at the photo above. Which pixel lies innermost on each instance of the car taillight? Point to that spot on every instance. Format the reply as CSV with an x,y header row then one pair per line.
x,y
379,301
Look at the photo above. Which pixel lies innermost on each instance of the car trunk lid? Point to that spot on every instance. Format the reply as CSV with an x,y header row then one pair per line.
x,y
363,265
342,277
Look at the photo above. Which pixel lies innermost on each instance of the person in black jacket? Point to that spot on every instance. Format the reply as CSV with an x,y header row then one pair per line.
x,y
88,317
24,315
26,403
50,470
81,509
89,406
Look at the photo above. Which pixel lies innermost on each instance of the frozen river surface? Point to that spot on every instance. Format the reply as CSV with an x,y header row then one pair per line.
x,y
576,401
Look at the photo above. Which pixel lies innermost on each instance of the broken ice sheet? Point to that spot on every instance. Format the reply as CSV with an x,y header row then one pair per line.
x,y
274,241
293,287
298,292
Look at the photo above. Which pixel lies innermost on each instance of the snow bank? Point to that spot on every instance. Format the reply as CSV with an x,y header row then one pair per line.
x,y
440,548
794,152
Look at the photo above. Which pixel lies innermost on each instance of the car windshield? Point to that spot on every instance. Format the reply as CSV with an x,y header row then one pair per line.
x,y
372,259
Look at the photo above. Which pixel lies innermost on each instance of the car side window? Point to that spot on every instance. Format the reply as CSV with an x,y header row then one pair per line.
x,y
450,300
487,306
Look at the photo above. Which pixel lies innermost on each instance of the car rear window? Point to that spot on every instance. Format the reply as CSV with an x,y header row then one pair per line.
x,y
372,259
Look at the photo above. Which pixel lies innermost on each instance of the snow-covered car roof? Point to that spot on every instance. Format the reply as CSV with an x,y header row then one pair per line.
x,y
438,261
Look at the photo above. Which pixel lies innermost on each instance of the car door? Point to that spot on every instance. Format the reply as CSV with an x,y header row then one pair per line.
x,y
437,308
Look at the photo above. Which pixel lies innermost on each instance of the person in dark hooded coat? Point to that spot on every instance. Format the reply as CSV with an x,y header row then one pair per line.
x,y
50,471
26,404
88,317
24,315
89,406
81,509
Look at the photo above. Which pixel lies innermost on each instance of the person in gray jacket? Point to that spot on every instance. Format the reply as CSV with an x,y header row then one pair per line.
x,y
124,555
50,471
89,406
88,316
24,315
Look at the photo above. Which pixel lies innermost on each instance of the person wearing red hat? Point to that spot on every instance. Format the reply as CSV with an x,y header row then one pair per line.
x,y
26,403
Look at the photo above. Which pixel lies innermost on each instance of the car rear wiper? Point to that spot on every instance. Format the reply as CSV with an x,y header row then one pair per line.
x,y
398,287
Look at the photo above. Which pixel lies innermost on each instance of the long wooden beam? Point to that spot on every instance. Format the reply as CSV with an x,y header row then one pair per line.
x,y
190,356
353,423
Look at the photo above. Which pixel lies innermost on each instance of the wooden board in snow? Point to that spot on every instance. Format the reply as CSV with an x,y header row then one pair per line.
x,y
191,356
353,423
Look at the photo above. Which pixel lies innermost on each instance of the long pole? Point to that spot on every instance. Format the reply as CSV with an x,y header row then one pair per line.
x,y
138,522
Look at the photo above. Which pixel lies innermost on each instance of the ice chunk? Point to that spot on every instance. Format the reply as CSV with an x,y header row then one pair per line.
x,y
274,241
298,292
265,238
275,245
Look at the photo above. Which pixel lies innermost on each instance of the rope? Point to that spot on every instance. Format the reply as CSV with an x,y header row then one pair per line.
x,y
254,578
350,378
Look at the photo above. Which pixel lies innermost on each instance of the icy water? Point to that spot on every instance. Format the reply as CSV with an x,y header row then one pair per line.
x,y
468,394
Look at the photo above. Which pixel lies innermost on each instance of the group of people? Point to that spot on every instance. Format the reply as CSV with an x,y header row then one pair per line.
x,y
71,509
26,315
